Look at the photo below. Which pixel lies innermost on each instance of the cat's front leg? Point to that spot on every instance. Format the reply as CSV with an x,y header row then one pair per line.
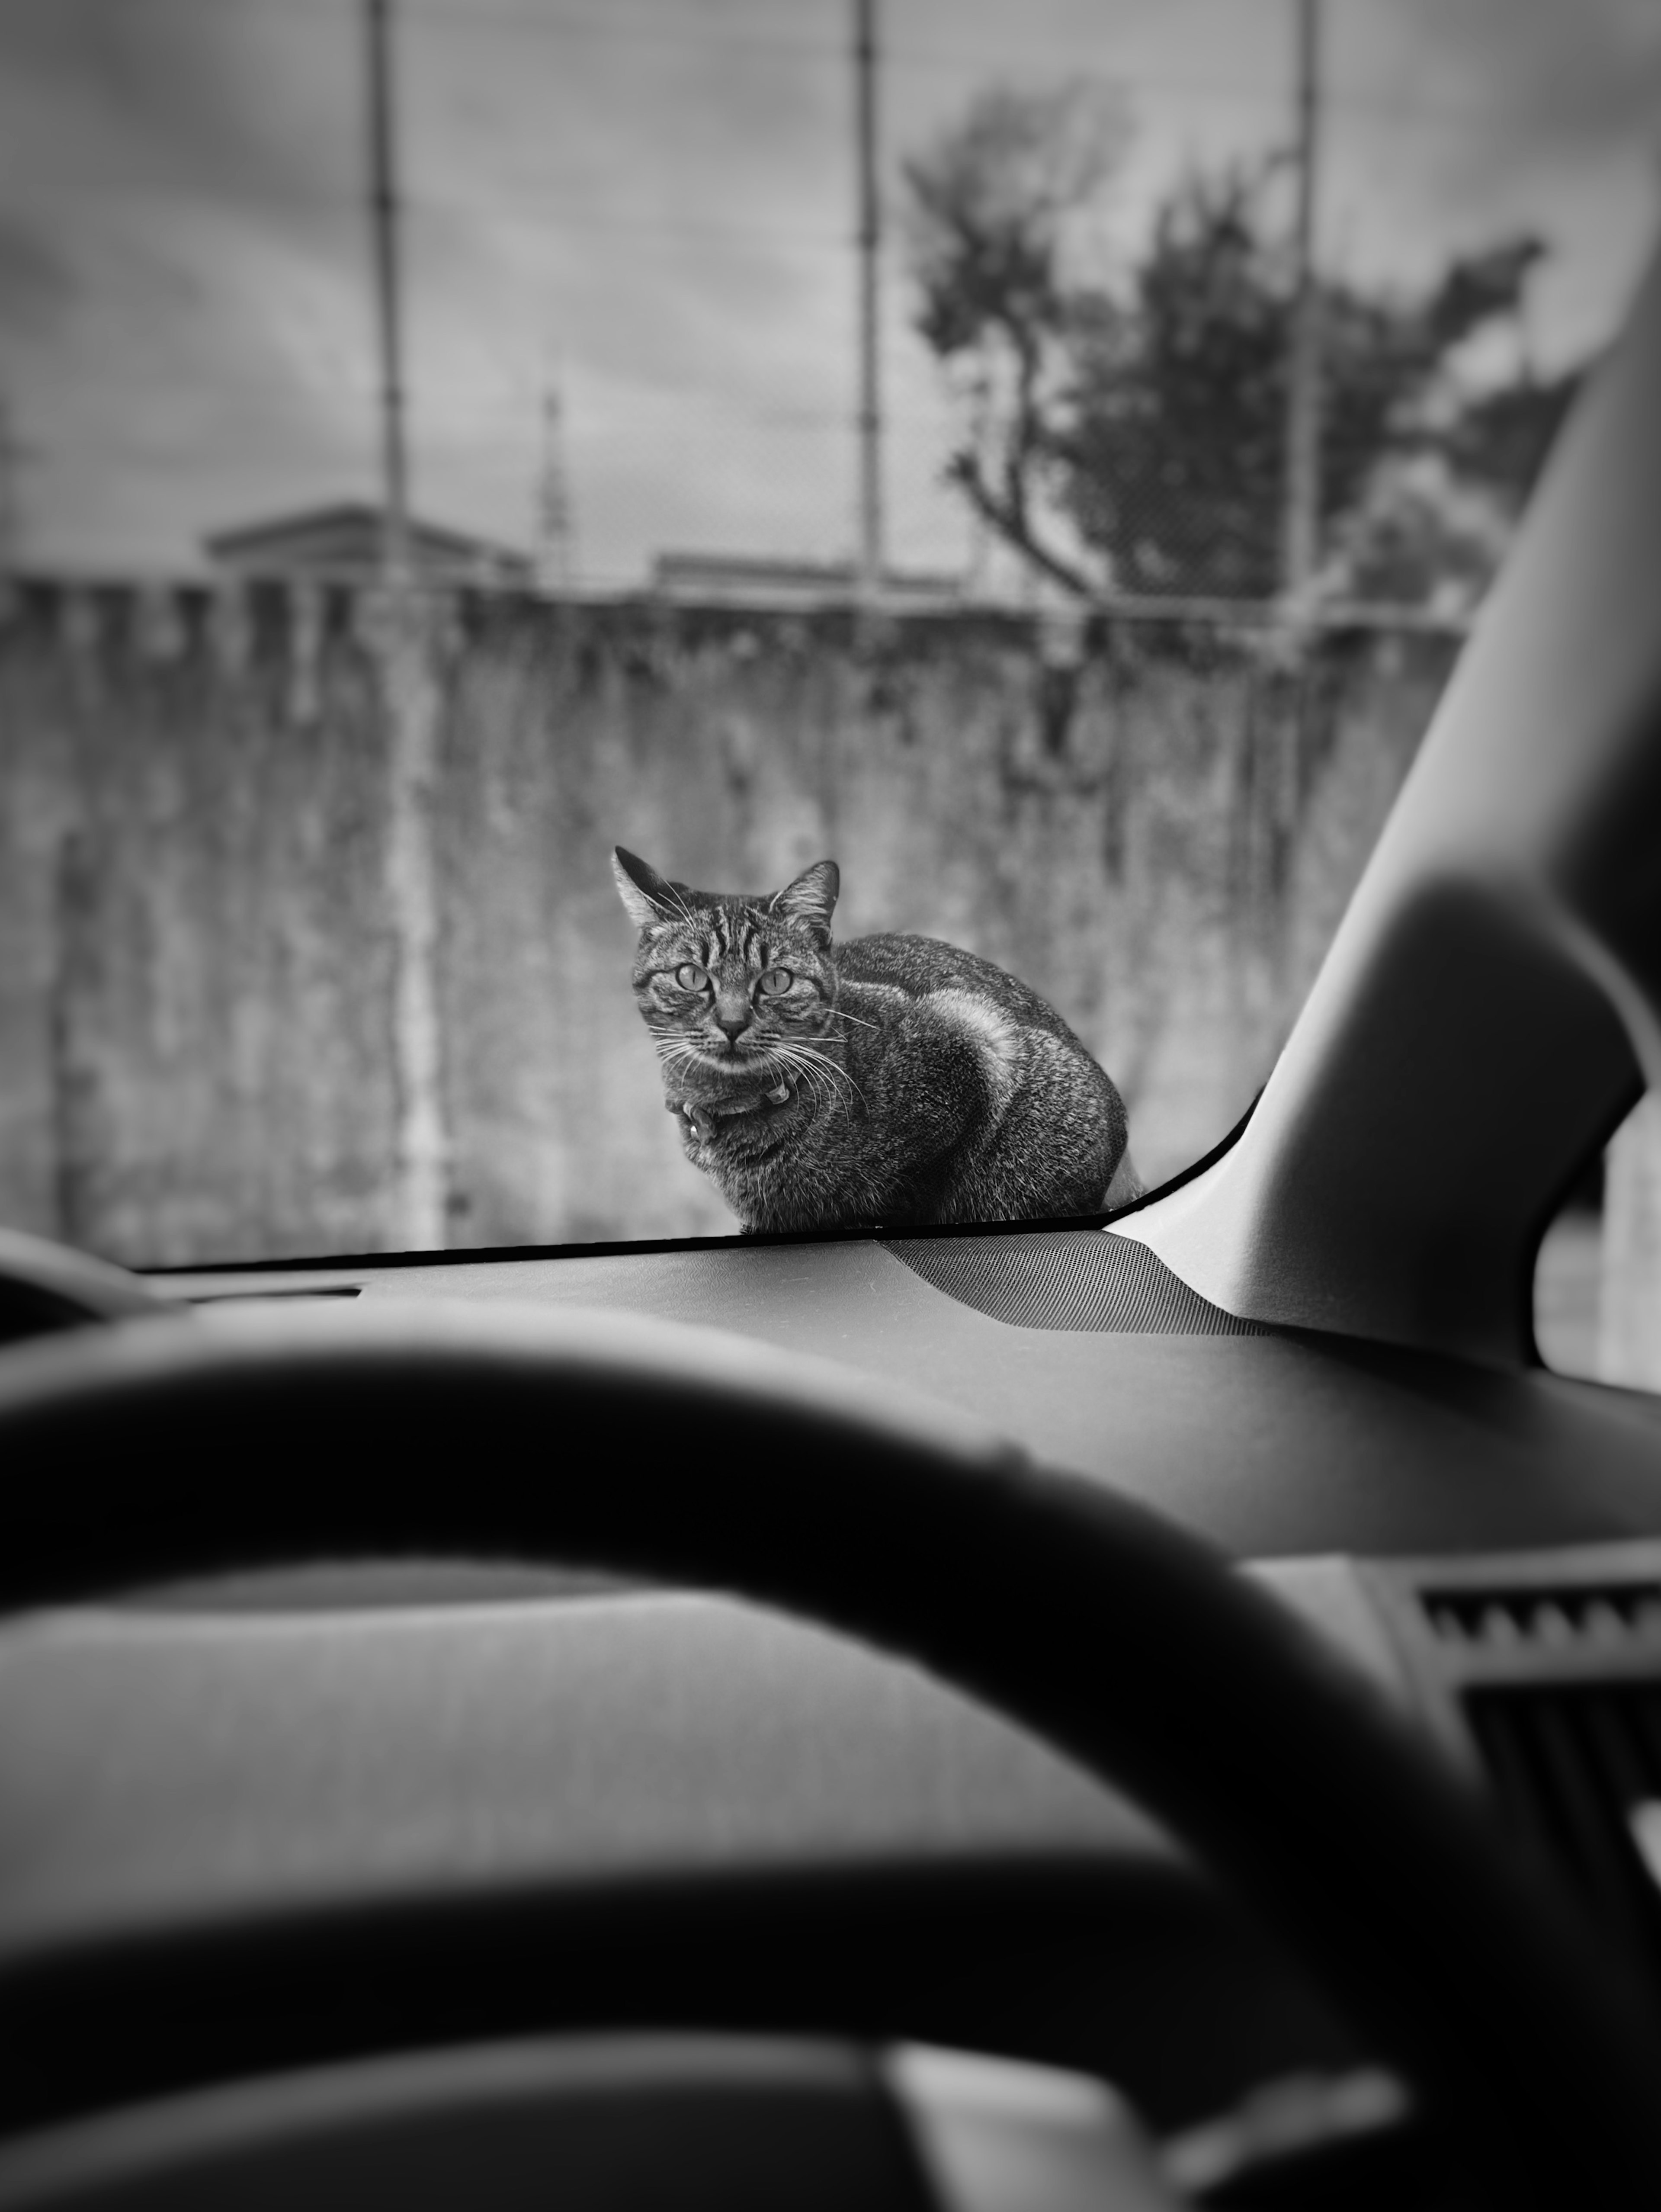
x,y
695,1121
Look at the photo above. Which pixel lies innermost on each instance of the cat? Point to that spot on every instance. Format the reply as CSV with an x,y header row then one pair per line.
x,y
893,1080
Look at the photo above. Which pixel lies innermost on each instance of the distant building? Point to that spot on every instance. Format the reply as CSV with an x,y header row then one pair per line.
x,y
343,545
704,578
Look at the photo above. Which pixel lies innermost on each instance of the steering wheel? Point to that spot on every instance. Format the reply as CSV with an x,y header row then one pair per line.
x,y
152,1448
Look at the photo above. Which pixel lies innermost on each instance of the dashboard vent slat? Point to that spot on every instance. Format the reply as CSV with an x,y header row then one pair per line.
x,y
1578,1768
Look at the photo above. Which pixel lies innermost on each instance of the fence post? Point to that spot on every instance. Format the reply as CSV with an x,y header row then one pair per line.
x,y
410,691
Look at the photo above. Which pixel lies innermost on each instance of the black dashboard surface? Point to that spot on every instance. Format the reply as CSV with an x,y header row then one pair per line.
x,y
365,1825
1273,1445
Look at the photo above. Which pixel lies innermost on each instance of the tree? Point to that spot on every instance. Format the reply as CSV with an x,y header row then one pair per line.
x,y
1501,438
996,214
1136,439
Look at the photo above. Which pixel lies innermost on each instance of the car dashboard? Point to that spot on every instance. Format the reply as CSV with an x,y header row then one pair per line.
x,y
343,1810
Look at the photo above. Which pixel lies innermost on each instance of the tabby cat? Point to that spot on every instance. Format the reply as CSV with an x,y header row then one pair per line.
x,y
890,1080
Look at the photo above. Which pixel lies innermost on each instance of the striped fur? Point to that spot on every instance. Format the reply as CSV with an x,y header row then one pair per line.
x,y
891,1080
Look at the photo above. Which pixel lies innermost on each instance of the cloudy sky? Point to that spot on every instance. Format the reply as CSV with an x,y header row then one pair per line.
x,y
651,201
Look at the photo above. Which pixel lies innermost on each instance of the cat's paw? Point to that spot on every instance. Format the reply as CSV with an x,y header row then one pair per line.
x,y
697,1123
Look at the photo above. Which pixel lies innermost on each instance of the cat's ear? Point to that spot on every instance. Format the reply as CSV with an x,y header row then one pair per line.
x,y
643,891
810,900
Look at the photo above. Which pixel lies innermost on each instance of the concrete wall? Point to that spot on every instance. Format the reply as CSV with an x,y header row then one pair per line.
x,y
200,936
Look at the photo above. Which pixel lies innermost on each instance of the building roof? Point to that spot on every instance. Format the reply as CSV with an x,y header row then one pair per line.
x,y
345,539
758,581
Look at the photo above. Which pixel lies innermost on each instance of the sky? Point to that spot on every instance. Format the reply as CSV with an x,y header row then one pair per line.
x,y
650,204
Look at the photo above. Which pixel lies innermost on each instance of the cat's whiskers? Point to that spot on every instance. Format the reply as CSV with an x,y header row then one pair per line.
x,y
812,1085
824,1074
676,1061
787,1055
673,1049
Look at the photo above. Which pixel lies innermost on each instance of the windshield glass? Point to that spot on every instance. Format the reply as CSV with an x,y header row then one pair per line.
x,y
1042,461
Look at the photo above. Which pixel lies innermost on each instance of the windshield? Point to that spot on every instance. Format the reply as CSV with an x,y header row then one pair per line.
x,y
639,622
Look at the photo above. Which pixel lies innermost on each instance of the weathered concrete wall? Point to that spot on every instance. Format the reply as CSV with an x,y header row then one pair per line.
x,y
194,956
199,942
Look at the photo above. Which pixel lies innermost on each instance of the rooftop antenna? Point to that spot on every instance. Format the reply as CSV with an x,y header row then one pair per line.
x,y
555,523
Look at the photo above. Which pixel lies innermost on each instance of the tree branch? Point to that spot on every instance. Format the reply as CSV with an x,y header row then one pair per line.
x,y
1008,517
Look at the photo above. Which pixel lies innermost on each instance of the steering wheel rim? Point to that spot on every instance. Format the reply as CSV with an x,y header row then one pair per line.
x,y
444,1430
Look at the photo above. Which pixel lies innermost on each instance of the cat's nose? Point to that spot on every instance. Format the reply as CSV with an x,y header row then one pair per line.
x,y
732,1025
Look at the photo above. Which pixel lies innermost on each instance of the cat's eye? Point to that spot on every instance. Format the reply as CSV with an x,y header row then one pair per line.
x,y
690,978
776,980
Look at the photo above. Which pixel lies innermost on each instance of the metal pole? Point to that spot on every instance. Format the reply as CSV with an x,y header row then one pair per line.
x,y
384,215
1301,551
870,398
418,1220
10,529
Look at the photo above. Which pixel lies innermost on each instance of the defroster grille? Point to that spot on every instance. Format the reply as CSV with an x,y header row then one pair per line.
x,y
1608,1612
1580,1769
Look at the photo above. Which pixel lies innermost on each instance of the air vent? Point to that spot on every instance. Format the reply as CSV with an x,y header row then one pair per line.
x,y
1609,1614
1579,1770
